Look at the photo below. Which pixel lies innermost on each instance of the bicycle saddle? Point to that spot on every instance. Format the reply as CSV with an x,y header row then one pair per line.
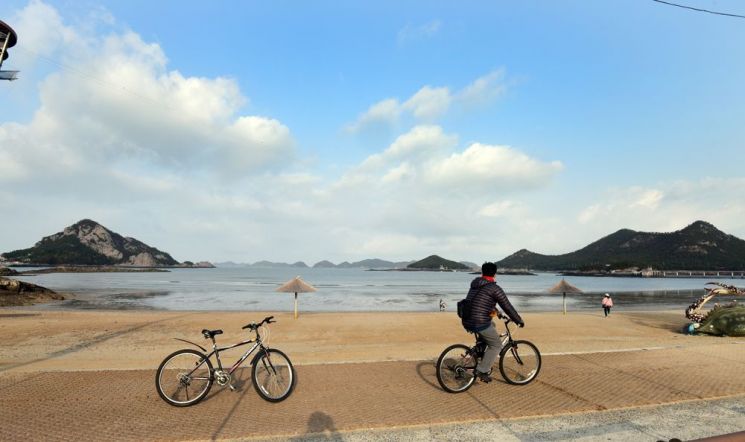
x,y
210,334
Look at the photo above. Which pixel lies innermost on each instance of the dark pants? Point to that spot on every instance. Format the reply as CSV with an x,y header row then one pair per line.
x,y
607,310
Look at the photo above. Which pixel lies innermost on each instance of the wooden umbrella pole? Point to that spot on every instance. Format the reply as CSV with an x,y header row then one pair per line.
x,y
295,305
565,303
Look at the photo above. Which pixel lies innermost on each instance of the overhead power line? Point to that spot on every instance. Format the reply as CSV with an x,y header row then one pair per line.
x,y
99,81
699,9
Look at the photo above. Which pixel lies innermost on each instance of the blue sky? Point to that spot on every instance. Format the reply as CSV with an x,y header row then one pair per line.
x,y
306,131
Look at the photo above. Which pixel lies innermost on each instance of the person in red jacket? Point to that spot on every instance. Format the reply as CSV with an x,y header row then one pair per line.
x,y
484,295
607,304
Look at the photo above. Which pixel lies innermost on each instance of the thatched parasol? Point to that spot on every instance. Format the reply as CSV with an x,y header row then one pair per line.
x,y
564,287
296,285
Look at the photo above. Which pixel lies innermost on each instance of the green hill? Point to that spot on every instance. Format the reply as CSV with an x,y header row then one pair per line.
x,y
700,246
435,262
89,243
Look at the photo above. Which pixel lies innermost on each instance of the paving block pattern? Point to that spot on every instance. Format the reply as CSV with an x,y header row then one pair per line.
x,y
123,404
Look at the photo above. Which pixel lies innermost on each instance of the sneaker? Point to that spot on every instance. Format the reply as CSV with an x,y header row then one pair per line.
x,y
483,377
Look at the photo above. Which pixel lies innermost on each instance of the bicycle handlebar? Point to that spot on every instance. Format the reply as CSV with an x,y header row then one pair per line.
x,y
254,326
506,319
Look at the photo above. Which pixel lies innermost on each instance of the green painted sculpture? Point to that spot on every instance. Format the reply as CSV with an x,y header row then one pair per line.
x,y
722,320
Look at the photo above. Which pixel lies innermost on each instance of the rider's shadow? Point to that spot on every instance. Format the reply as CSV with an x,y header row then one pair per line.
x,y
320,427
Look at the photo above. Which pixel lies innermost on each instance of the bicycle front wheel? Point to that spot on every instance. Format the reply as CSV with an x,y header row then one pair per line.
x,y
455,368
184,378
273,375
519,362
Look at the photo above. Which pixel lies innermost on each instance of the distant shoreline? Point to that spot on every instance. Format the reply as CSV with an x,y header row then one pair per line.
x,y
91,269
469,271
731,274
46,268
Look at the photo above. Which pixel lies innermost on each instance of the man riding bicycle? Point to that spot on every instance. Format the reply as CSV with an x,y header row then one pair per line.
x,y
483,297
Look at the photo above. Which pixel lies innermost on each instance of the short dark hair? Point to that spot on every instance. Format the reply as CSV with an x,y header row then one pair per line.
x,y
488,269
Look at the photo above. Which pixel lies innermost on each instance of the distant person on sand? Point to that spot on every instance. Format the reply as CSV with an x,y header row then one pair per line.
x,y
442,305
483,297
607,304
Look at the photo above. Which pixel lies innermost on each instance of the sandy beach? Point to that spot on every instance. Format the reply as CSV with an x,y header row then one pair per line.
x,y
92,373
84,340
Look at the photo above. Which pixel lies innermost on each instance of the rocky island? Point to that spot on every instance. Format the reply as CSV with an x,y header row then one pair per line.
x,y
87,246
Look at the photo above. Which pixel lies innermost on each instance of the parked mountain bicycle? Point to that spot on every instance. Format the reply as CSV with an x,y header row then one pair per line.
x,y
186,376
519,362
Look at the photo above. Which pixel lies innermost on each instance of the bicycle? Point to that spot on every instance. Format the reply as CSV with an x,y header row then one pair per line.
x,y
519,362
186,376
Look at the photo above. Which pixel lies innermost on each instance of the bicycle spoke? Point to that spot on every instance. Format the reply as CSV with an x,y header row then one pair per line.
x,y
520,363
273,376
455,369
184,378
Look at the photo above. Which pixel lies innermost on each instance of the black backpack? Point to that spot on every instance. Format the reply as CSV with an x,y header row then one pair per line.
x,y
464,305
464,308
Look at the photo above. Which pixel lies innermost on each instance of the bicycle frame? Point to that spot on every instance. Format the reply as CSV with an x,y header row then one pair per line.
x,y
216,351
506,340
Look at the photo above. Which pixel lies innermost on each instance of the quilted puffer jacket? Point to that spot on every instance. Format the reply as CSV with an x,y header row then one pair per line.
x,y
484,296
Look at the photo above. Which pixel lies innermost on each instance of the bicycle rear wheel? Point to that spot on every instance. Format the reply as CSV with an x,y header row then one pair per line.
x,y
519,362
455,368
273,375
184,378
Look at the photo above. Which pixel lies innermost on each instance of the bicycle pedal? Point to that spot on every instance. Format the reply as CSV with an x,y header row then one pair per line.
x,y
231,387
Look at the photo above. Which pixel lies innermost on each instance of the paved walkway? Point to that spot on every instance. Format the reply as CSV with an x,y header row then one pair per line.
x,y
335,398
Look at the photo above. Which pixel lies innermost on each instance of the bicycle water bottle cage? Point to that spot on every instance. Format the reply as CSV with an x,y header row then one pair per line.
x,y
210,334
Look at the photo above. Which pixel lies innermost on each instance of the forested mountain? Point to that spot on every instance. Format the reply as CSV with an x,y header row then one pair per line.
x,y
700,246
435,262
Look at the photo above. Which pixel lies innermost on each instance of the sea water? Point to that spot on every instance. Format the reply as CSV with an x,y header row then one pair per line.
x,y
253,289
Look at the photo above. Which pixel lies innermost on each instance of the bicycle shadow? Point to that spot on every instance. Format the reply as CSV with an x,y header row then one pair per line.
x,y
240,379
427,371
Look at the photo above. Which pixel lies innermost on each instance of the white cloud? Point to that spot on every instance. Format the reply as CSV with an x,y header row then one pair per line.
x,y
667,207
431,196
419,144
421,140
120,107
649,199
634,200
499,209
384,112
42,29
483,165
484,89
424,31
429,103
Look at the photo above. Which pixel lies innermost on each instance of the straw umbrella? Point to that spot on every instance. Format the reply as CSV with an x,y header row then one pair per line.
x,y
564,287
296,285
